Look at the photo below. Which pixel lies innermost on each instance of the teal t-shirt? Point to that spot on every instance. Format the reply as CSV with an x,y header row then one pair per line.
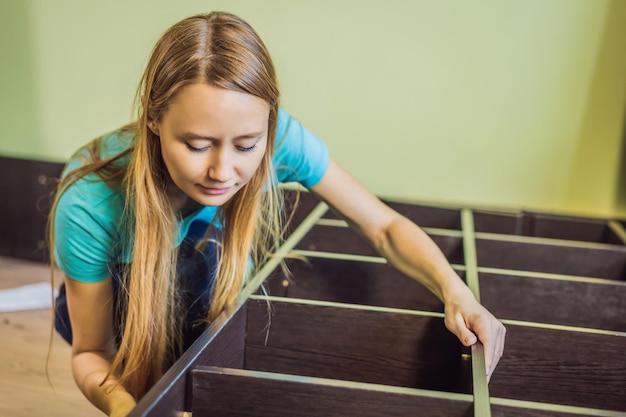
x,y
89,233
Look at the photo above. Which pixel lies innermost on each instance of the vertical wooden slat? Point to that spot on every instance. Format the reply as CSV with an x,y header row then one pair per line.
x,y
618,229
482,406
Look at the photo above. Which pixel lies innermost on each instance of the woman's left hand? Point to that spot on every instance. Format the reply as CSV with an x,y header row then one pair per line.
x,y
468,319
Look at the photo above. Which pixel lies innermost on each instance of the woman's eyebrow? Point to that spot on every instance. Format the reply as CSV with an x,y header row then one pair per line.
x,y
192,136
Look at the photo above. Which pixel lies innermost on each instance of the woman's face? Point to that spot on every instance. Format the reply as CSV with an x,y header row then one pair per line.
x,y
212,142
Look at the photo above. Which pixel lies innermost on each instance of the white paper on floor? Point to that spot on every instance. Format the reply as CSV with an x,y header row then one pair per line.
x,y
26,297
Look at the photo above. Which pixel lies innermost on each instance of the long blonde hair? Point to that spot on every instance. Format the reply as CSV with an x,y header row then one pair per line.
x,y
222,50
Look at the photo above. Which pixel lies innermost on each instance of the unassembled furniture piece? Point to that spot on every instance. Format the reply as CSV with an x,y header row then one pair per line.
x,y
348,335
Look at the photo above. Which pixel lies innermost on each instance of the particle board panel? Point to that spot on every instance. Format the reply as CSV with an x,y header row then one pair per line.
x,y
337,239
546,226
353,282
564,300
221,345
27,188
338,342
427,216
594,260
219,393
568,366
298,204
508,408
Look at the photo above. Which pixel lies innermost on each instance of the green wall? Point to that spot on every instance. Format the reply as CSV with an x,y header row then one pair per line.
x,y
489,102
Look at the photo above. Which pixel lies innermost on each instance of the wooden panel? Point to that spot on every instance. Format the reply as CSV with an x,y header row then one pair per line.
x,y
218,393
353,282
544,225
298,204
597,261
343,240
566,367
429,216
355,345
27,188
220,345
600,305
498,410
423,215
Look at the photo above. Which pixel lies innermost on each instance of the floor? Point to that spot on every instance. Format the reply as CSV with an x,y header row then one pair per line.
x,y
24,387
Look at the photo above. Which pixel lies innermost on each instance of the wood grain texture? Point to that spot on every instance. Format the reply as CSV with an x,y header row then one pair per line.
x,y
27,187
220,345
422,215
429,216
352,282
521,411
298,204
222,392
355,345
562,367
597,262
598,305
545,225
344,240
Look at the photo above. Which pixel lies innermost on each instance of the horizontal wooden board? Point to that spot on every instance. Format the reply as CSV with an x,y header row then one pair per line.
x,y
388,348
562,366
344,240
598,261
223,392
528,409
545,225
354,282
590,303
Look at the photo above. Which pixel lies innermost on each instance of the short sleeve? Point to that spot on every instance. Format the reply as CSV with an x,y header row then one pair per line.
x,y
86,231
299,156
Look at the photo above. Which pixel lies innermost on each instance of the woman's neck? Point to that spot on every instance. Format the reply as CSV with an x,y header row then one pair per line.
x,y
181,203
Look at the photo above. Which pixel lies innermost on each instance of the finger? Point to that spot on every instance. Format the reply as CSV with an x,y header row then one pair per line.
x,y
460,330
488,335
500,346
496,351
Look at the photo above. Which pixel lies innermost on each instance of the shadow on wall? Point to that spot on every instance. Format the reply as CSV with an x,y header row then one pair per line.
x,y
19,87
595,172
620,192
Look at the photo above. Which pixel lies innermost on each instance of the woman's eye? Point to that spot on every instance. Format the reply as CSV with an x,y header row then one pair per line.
x,y
194,149
244,149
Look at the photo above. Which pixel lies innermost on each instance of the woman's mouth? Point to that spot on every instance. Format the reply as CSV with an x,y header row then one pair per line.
x,y
214,190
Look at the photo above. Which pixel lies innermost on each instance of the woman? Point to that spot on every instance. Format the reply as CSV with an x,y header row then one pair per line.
x,y
153,223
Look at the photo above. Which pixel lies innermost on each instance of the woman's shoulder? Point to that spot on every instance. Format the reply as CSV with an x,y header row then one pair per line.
x,y
299,155
103,147
88,198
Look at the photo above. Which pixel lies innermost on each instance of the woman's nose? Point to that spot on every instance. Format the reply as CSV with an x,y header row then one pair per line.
x,y
221,166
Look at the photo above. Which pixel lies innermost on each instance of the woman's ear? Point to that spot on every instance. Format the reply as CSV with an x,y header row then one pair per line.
x,y
154,127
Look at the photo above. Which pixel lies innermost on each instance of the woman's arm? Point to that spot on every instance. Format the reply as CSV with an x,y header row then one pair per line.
x,y
90,308
411,251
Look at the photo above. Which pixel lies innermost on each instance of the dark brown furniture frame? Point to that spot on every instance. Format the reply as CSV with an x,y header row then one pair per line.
x,y
348,335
